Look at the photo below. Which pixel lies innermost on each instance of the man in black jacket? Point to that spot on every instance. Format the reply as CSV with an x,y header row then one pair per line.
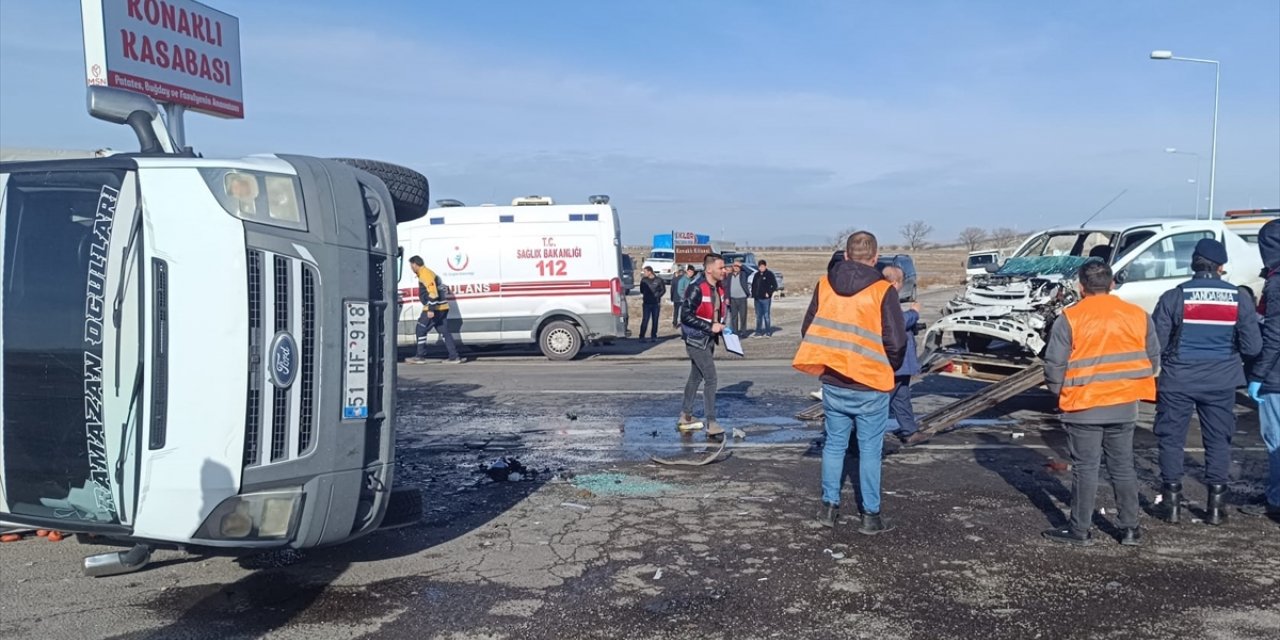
x,y
702,317
763,286
1205,326
651,289
1264,379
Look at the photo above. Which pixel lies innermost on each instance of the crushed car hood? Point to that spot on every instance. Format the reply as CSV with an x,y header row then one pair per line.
x,y
1012,307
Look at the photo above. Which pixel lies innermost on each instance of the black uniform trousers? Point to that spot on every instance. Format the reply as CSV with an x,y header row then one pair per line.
x,y
1217,426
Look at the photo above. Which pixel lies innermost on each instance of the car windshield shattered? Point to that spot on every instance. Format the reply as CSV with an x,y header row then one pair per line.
x,y
1042,266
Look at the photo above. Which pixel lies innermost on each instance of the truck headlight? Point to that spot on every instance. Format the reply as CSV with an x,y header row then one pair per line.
x,y
267,515
257,196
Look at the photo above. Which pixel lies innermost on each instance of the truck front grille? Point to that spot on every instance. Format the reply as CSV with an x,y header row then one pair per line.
x,y
280,420
307,377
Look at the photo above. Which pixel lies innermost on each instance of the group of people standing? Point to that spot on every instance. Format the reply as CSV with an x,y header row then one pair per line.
x,y
740,286
1104,357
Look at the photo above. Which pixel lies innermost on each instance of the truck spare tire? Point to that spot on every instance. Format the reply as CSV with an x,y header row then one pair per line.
x,y
409,189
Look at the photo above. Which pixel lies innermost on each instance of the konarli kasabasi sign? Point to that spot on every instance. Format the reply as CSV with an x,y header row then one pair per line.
x,y
176,51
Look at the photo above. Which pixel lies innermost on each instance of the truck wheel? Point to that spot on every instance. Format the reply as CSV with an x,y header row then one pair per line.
x,y
409,189
560,340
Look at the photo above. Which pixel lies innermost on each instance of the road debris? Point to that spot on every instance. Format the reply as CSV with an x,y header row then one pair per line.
x,y
1056,466
692,463
574,505
620,485
502,469
658,575
14,535
739,434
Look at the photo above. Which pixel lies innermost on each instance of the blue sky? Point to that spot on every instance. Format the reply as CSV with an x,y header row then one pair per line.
x,y
776,122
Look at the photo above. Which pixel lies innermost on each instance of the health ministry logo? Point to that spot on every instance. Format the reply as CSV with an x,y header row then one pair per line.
x,y
458,260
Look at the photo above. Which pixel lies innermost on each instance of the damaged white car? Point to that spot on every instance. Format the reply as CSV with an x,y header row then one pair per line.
x,y
1001,322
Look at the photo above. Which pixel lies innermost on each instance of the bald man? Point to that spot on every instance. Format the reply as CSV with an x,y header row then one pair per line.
x,y
900,409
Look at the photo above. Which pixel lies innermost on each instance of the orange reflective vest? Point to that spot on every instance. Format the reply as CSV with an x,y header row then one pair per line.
x,y
1108,363
844,337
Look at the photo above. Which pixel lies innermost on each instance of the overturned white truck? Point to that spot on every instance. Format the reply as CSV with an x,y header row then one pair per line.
x,y
1001,322
199,353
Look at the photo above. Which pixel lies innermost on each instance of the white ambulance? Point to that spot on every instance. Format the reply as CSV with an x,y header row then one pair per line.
x,y
532,272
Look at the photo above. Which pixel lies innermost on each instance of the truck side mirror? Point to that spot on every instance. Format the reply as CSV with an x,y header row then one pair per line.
x,y
992,268
399,262
1121,276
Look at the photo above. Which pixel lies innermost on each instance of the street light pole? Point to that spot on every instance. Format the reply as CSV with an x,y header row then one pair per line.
x,y
1196,208
1217,77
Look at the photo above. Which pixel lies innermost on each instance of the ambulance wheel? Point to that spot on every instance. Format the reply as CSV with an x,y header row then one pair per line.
x,y
560,340
409,190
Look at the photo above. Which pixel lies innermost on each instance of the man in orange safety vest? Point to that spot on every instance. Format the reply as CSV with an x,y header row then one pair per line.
x,y
1101,360
854,338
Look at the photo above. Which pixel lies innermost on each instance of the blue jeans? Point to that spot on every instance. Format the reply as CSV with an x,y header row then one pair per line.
x,y
1269,413
868,412
764,316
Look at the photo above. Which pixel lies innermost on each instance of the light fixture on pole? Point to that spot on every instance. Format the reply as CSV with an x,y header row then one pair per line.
x,y
1217,77
1196,180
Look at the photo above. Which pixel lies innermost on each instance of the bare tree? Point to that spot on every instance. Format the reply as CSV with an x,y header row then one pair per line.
x,y
915,233
1004,236
839,240
972,237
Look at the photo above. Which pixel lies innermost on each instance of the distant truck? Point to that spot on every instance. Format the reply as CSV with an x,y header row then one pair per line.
x,y
672,250
978,261
1248,222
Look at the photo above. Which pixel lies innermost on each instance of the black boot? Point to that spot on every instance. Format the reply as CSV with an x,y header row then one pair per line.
x,y
1216,512
872,524
827,515
1170,507
1131,537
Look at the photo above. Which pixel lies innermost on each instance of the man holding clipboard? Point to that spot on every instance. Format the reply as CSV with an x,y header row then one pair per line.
x,y
702,316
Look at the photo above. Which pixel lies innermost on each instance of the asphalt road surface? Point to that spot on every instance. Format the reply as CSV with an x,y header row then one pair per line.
x,y
594,541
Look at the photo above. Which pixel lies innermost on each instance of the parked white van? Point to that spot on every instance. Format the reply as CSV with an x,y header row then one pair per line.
x,y
532,272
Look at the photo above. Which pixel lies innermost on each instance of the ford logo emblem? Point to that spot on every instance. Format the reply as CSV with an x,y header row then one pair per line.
x,y
284,360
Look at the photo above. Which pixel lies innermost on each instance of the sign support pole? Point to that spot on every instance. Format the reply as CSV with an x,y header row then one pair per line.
x,y
177,129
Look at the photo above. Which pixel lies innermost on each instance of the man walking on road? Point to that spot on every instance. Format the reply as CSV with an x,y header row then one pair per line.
x,y
900,409
763,286
853,337
1101,361
435,313
1264,379
651,290
702,316
1205,326
739,292
677,292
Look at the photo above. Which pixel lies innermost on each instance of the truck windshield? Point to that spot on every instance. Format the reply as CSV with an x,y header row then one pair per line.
x,y
663,255
66,393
